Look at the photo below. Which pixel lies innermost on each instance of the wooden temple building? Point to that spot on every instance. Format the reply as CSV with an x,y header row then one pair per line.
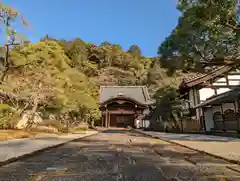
x,y
121,106
213,98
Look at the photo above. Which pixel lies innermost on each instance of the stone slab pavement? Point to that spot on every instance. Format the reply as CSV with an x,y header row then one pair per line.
x,y
12,150
117,155
218,146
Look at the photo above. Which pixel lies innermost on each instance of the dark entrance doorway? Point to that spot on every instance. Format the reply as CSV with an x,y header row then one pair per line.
x,y
120,105
120,120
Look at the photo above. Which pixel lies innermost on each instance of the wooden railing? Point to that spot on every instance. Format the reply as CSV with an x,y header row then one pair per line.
x,y
227,121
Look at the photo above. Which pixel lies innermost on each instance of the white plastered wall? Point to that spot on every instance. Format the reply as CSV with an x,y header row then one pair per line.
x,y
208,116
205,93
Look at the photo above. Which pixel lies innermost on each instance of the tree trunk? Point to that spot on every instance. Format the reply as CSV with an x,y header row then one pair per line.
x,y
6,65
24,109
33,113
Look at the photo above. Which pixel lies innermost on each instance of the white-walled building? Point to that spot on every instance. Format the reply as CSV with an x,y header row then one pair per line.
x,y
210,99
221,112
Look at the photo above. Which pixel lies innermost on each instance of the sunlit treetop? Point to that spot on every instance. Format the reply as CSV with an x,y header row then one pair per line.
x,y
206,32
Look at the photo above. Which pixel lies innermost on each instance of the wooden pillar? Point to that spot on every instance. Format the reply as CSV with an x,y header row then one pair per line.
x,y
135,116
102,119
204,121
109,119
238,113
223,117
106,117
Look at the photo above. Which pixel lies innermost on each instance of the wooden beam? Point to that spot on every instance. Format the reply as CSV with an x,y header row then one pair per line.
x,y
227,80
234,73
234,79
209,76
119,112
222,86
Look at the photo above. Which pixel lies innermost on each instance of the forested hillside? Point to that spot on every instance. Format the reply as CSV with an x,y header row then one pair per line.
x,y
61,78
64,76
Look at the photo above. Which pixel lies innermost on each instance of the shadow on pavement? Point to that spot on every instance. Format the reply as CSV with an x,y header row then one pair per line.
x,y
192,137
117,155
116,131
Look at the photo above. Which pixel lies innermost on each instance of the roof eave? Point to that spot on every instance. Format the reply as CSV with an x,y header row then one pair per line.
x,y
103,103
212,100
197,81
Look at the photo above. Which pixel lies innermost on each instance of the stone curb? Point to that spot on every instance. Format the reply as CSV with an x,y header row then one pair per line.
x,y
194,149
27,155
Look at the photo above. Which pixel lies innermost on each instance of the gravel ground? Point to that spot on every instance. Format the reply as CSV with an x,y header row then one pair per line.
x,y
120,155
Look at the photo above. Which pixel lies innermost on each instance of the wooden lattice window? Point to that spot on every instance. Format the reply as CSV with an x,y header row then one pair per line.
x,y
229,115
217,116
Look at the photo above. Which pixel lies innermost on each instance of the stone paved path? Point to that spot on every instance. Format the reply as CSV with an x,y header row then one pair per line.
x,y
18,147
119,155
224,147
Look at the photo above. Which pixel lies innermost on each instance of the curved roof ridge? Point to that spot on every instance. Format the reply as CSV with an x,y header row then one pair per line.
x,y
131,86
123,98
139,93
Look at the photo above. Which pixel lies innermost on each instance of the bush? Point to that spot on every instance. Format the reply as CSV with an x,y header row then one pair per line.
x,y
42,129
8,117
80,129
53,123
64,130
8,123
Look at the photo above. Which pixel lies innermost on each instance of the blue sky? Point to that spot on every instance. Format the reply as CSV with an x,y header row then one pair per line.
x,y
125,22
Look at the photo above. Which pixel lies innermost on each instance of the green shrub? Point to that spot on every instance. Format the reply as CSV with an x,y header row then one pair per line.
x,y
8,117
80,129
64,130
53,123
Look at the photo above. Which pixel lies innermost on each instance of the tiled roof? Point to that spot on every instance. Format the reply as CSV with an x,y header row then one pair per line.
x,y
137,93
198,78
193,76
